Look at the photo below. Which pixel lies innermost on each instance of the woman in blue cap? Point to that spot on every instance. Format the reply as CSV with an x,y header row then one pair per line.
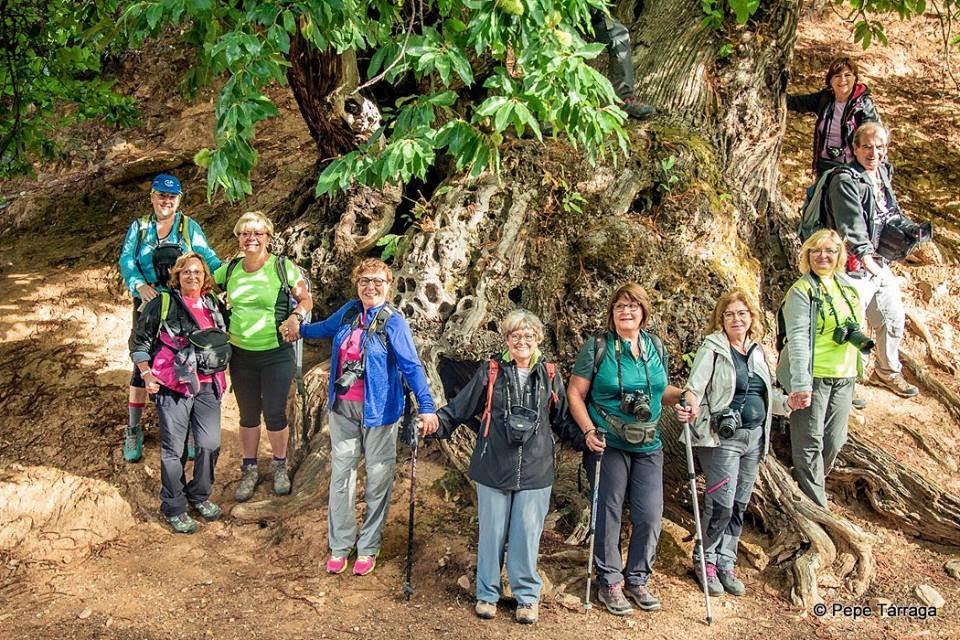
x,y
151,247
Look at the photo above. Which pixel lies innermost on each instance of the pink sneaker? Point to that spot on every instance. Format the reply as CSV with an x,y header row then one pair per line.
x,y
336,565
364,565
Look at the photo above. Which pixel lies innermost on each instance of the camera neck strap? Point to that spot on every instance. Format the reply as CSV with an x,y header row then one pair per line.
x,y
829,300
643,358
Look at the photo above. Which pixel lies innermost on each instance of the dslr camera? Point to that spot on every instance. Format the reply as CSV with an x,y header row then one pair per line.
x,y
352,371
726,422
834,152
637,404
850,332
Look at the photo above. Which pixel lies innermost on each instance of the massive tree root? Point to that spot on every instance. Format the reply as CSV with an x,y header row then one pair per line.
x,y
916,505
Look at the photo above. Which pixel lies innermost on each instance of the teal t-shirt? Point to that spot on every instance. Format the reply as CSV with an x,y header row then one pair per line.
x,y
605,392
253,299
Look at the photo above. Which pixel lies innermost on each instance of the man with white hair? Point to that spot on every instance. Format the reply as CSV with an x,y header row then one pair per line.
x,y
861,201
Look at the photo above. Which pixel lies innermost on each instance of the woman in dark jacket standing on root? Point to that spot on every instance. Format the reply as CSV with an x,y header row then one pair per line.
x,y
512,462
187,401
841,107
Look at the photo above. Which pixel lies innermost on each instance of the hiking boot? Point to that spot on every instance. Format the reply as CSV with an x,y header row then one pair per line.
x,y
486,610
208,510
642,596
636,109
248,483
364,565
731,583
713,583
336,564
613,599
182,523
895,383
528,613
133,444
281,479
859,402
191,446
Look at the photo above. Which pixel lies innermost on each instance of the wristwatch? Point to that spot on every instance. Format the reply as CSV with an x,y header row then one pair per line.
x,y
302,318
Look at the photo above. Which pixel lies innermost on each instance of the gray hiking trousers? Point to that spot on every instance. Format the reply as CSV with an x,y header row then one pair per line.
x,y
379,448
617,38
817,434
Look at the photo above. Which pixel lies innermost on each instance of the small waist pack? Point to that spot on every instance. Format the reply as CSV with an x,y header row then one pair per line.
x,y
899,237
521,424
639,433
212,349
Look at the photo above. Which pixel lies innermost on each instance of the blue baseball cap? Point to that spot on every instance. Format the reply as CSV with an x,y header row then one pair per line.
x,y
166,183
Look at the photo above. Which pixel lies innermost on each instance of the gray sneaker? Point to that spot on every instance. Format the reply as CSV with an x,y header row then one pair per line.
x,y
640,594
613,599
895,383
248,483
713,583
528,613
281,479
731,583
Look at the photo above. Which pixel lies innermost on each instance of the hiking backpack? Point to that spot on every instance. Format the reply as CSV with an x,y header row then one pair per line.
x,y
164,254
600,350
814,212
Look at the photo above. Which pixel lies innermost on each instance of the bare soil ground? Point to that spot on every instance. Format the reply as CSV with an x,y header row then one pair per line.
x,y
84,552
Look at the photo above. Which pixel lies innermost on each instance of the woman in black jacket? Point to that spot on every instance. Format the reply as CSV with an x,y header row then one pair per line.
x,y
841,107
188,384
512,462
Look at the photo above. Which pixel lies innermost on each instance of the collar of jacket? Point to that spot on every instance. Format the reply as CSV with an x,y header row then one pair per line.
x,y
369,314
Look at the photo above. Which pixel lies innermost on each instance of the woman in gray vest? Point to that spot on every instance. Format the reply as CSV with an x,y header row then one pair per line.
x,y
731,391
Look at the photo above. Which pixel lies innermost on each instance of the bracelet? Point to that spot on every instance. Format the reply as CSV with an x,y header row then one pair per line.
x,y
589,431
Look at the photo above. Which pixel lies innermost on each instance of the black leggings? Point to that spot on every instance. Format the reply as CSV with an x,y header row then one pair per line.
x,y
136,380
261,381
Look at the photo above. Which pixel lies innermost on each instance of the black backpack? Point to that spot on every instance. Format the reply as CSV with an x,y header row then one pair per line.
x,y
600,350
815,212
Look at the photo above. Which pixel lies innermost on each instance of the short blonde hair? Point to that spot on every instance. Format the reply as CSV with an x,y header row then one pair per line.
x,y
814,241
253,218
181,264
631,291
372,265
521,319
737,295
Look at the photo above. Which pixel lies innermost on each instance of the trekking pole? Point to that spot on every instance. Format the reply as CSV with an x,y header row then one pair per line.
x,y
593,524
301,388
409,424
698,537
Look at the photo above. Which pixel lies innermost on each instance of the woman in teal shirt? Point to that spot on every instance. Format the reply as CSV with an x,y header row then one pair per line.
x,y
616,394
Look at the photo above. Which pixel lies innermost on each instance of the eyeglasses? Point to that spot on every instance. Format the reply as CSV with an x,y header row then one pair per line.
x,y
825,251
253,234
516,337
743,314
631,307
377,282
192,272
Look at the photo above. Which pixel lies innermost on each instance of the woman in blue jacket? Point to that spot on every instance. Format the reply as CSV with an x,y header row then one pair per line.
x,y
372,349
151,247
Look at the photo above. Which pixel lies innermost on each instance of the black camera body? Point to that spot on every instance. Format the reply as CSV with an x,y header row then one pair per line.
x,y
900,236
726,422
850,332
352,371
637,404
834,152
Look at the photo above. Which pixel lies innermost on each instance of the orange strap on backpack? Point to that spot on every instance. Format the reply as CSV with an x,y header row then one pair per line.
x,y
493,369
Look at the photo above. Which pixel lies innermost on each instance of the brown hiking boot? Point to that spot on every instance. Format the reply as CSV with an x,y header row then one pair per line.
x,y
486,610
613,599
895,383
636,109
528,613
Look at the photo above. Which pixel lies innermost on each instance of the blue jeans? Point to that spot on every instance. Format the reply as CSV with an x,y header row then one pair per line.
x,y
517,516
